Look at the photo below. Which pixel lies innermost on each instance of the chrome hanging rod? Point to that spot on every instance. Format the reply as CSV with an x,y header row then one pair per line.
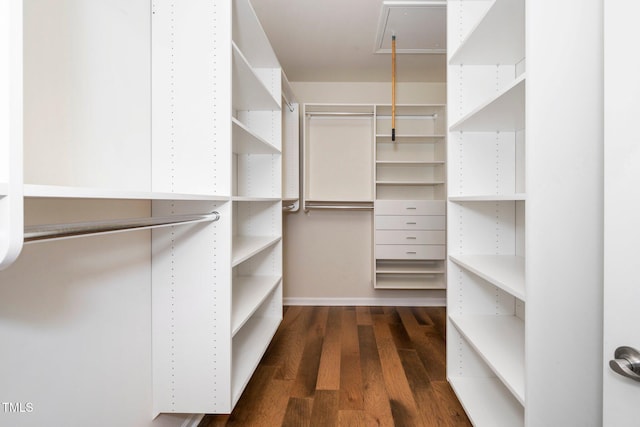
x,y
36,233
288,103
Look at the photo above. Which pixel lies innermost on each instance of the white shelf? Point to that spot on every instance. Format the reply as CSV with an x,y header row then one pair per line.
x,y
409,162
489,198
248,293
250,37
499,340
406,270
254,199
488,402
247,142
497,39
410,137
249,93
422,111
504,271
503,112
248,347
244,247
56,191
409,182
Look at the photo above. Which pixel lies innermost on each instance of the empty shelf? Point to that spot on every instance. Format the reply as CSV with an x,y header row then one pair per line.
x,y
504,271
488,402
503,112
248,293
244,247
499,340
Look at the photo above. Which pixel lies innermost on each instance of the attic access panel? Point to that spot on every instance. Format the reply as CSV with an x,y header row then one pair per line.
x,y
419,26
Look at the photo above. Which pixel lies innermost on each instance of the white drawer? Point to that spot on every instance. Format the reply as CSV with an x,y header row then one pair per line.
x,y
410,237
398,222
410,252
409,207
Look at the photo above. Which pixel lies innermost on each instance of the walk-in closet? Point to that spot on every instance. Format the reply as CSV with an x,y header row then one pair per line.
x,y
318,213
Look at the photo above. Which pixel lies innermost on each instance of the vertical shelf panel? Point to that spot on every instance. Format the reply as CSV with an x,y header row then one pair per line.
x,y
11,134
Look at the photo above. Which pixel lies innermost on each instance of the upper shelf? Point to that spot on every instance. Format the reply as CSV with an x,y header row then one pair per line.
x,y
422,112
250,37
249,92
498,38
503,112
59,191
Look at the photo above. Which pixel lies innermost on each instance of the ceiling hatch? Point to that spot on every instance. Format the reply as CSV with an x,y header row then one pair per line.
x,y
419,27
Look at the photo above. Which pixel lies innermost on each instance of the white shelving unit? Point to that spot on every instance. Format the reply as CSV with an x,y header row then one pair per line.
x,y
511,225
235,297
410,240
486,235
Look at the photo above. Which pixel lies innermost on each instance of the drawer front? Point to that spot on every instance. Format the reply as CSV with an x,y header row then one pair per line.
x,y
401,222
409,237
410,252
409,207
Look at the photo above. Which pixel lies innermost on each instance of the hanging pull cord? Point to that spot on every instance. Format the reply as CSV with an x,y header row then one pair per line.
x,y
393,87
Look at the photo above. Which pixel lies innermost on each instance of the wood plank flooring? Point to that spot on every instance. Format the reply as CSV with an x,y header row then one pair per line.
x,y
351,366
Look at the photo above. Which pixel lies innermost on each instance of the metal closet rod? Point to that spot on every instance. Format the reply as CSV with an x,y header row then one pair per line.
x,y
58,231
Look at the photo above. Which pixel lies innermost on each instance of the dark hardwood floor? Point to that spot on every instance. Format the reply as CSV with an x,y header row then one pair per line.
x,y
351,366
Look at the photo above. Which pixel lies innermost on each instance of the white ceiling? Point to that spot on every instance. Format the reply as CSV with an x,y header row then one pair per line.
x,y
335,40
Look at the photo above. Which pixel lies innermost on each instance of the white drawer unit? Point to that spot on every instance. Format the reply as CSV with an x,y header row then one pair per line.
x,y
410,237
408,234
403,252
410,207
397,222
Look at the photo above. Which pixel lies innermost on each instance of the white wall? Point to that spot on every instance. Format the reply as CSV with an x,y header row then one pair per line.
x,y
328,254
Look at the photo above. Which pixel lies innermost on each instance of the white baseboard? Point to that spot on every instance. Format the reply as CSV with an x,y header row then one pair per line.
x,y
400,302
193,420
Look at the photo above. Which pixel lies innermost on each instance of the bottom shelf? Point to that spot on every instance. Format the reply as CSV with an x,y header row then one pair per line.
x,y
410,274
487,402
250,343
409,281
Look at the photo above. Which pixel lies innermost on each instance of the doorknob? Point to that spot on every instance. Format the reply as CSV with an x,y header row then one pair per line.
x,y
626,362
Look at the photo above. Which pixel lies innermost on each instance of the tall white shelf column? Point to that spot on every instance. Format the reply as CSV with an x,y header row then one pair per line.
x,y
217,84
507,217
